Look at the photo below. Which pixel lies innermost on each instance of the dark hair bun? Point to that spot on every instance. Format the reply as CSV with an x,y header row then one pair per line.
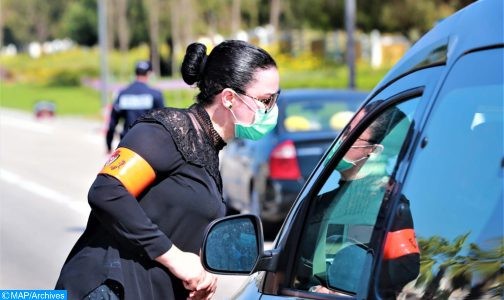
x,y
194,63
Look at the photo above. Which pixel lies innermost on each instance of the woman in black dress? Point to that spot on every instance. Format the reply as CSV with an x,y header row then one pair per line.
x,y
161,187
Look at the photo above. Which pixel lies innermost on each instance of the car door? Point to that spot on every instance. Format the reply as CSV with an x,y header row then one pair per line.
x,y
336,220
455,184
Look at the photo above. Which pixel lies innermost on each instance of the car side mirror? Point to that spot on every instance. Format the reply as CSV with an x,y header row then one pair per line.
x,y
233,245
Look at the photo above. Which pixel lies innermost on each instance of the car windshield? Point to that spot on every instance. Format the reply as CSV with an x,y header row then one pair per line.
x,y
318,114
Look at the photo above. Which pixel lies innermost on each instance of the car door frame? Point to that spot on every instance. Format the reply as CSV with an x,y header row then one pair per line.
x,y
420,82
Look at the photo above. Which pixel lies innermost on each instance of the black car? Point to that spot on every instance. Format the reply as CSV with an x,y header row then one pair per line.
x,y
264,177
408,201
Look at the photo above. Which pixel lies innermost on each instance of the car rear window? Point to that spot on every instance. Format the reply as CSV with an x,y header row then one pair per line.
x,y
319,115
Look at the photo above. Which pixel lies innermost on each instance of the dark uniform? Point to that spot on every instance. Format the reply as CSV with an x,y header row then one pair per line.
x,y
132,102
125,233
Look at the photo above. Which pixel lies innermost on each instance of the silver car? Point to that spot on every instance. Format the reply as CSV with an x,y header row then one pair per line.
x,y
408,201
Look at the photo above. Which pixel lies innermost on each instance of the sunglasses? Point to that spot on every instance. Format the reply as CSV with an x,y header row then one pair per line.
x,y
269,102
376,149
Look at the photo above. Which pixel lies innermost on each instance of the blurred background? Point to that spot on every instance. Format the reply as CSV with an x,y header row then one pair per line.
x,y
69,57
52,49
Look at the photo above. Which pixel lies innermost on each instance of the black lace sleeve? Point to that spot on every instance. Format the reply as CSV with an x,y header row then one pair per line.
x,y
192,132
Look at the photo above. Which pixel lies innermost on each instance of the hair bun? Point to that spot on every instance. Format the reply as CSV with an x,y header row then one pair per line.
x,y
194,63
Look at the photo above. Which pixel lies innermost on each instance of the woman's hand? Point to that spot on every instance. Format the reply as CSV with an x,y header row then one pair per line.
x,y
187,267
206,289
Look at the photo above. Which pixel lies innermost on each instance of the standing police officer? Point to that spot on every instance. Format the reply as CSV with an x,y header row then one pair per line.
x,y
133,101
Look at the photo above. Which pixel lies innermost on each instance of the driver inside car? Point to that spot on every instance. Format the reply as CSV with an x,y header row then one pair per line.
x,y
347,222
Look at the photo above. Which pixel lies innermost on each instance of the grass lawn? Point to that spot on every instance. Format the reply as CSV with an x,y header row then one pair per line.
x,y
69,100
79,101
56,78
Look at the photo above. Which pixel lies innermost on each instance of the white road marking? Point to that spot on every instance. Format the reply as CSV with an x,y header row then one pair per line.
x,y
43,191
95,139
26,124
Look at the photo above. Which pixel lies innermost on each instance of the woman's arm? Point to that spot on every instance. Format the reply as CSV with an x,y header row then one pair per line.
x,y
148,149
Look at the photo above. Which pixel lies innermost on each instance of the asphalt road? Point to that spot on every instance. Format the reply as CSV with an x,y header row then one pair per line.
x,y
46,168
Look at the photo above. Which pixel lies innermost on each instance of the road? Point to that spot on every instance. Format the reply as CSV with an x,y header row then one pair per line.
x,y
46,168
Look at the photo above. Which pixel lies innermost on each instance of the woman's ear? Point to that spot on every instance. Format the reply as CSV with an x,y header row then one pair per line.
x,y
227,96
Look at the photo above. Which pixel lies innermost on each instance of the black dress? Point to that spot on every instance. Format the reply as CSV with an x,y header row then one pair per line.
x,y
124,234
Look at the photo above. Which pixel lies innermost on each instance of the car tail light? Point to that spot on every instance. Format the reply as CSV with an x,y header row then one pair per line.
x,y
283,162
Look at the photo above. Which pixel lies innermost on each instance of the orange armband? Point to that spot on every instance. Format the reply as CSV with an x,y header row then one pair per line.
x,y
130,169
400,243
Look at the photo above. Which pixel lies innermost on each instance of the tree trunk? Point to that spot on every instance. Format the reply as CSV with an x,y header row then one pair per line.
x,y
275,12
123,35
111,23
182,20
154,36
41,22
235,17
175,34
123,29
186,22
1,26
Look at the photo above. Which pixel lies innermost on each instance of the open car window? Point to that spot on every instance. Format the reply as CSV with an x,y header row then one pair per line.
x,y
336,249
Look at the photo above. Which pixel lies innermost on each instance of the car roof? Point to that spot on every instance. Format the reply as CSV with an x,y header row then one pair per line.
x,y
476,26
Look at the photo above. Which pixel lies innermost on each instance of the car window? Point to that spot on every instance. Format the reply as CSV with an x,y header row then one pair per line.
x,y
310,115
336,238
455,185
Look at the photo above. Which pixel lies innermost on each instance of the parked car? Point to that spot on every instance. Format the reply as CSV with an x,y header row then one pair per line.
x,y
264,177
408,201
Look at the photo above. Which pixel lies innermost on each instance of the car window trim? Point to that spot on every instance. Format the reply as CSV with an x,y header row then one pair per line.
x,y
489,47
400,97
322,173
311,295
405,74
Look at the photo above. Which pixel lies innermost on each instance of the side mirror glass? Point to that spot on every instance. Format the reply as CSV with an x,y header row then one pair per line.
x,y
232,245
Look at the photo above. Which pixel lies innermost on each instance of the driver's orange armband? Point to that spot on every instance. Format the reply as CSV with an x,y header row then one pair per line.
x,y
130,169
400,243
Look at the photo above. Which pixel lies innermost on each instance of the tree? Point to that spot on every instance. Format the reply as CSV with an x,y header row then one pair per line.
x,y
137,16
154,35
175,35
368,14
441,259
275,11
122,22
235,16
250,13
1,27
82,22
111,22
316,14
407,15
19,30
